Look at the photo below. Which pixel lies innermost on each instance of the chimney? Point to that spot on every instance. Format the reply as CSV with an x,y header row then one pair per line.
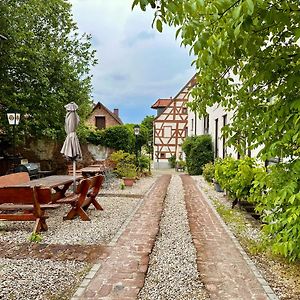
x,y
116,111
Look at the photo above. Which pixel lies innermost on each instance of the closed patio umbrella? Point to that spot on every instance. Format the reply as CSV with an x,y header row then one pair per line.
x,y
71,147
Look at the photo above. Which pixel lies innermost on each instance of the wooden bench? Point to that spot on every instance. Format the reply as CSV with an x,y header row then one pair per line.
x,y
76,200
14,179
23,199
85,195
95,186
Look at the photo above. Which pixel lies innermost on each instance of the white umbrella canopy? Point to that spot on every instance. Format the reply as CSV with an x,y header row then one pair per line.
x,y
71,147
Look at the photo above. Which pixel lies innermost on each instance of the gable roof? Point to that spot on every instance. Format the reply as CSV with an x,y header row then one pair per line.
x,y
101,106
190,83
161,103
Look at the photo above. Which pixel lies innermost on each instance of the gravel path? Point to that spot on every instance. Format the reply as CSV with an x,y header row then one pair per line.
x,y
29,279
172,272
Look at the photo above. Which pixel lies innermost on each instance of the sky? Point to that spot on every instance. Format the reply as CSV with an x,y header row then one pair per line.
x,y
136,64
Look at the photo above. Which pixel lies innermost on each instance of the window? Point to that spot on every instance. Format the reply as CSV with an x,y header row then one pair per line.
x,y
184,110
216,138
162,155
224,140
192,126
100,122
206,124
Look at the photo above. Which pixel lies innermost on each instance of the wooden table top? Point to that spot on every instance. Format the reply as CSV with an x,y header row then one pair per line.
x,y
52,181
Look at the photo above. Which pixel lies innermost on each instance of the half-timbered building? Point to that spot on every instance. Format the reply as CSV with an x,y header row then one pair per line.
x,y
170,127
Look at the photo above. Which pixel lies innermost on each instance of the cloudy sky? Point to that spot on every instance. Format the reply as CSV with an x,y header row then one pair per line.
x,y
137,64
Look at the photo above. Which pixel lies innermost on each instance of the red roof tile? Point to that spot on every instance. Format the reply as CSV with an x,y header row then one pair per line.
x,y
161,103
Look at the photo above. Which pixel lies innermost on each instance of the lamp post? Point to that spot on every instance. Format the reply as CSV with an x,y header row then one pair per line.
x,y
13,119
136,133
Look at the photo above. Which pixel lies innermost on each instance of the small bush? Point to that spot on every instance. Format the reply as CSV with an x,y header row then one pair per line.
x,y
181,164
126,170
209,172
144,162
172,161
125,164
277,197
198,151
235,176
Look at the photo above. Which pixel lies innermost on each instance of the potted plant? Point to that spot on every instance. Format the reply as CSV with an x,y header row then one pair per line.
x,y
128,173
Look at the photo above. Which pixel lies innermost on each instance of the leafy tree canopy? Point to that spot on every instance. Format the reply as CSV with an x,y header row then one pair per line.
x,y
148,124
44,64
247,59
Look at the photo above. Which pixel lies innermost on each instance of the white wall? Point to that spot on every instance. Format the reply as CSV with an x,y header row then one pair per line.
x,y
216,112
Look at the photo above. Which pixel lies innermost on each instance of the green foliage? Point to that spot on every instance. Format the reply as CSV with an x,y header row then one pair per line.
x,y
235,176
35,238
127,170
172,161
121,156
251,42
144,162
89,134
122,185
181,164
209,172
44,64
277,197
198,151
147,123
118,137
125,164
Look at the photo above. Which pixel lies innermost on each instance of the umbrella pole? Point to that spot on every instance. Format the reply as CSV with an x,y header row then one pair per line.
x,y
74,176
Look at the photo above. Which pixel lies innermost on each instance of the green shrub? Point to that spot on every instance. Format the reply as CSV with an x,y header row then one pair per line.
x,y
198,151
144,162
127,170
277,197
181,164
172,161
235,176
123,161
119,138
209,172
95,136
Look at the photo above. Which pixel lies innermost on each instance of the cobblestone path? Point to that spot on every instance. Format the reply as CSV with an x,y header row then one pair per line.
x,y
174,246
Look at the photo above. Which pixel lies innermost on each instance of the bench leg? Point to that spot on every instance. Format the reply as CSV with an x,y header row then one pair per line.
x,y
40,225
96,204
77,211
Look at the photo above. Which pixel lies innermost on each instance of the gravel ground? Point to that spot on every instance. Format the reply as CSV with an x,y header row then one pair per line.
x,y
29,279
283,277
101,229
172,272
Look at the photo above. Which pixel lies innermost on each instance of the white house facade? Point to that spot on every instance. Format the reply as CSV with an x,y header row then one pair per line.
x,y
217,117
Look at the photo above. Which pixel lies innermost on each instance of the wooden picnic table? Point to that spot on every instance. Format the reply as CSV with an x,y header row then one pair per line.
x,y
58,183
91,171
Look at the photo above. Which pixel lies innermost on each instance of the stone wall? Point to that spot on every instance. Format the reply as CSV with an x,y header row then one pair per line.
x,y
47,153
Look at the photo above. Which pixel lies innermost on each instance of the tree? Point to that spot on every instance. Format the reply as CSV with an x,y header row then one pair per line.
x,y
147,123
247,59
44,64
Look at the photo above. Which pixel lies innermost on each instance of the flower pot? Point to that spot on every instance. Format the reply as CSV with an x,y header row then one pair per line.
x,y
217,187
128,181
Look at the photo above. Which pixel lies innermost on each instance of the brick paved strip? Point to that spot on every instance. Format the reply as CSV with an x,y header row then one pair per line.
x,y
122,274
222,267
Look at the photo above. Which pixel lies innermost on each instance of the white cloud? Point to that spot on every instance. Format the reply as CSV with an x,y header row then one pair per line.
x,y
137,64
